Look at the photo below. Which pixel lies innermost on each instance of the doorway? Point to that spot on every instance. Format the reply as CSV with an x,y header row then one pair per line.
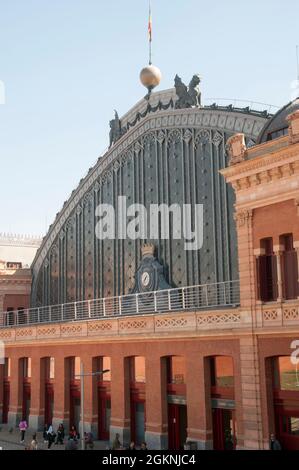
x,y
6,395
104,415
223,429
177,426
138,421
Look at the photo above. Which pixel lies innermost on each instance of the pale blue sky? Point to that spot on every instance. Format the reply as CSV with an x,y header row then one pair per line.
x,y
67,64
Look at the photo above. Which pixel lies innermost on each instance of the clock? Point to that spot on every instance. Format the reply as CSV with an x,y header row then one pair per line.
x,y
145,278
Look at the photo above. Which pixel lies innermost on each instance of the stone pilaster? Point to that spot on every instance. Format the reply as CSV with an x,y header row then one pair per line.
x,y
37,400
90,396
16,393
120,399
156,434
199,409
61,412
251,393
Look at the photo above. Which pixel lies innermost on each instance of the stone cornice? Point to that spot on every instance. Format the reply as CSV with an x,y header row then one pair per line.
x,y
198,118
284,160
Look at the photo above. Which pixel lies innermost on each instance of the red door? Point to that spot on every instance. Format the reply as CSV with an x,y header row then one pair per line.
x,y
177,426
223,429
6,395
138,420
287,428
173,427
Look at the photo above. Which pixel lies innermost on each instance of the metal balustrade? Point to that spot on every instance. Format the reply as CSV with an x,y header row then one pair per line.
x,y
204,296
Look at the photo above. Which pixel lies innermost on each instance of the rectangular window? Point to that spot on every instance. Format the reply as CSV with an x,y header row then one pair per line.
x,y
287,377
101,364
138,369
176,373
290,425
222,371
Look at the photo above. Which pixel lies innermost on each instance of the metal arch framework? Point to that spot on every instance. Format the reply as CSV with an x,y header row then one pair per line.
x,y
171,156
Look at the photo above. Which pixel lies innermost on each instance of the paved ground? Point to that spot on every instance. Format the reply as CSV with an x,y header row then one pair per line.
x,y
11,441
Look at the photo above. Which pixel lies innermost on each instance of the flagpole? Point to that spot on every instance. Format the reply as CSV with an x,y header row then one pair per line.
x,y
150,32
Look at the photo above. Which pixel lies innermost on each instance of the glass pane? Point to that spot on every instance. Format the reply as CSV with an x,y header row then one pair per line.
x,y
294,422
290,425
139,368
77,367
224,371
52,368
288,375
177,370
106,365
139,417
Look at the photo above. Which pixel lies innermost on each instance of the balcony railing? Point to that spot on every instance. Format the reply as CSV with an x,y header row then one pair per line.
x,y
204,296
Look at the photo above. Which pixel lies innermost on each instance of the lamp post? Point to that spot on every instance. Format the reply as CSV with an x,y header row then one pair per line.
x,y
81,376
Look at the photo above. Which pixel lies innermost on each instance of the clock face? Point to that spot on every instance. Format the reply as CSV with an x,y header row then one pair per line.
x,y
145,279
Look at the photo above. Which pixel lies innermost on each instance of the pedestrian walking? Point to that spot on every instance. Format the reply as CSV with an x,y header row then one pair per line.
x,y
22,427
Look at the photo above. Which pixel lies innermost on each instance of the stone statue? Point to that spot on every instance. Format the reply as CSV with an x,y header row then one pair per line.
x,y
115,129
194,91
187,97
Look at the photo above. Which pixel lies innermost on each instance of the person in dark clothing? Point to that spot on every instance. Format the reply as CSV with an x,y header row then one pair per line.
x,y
143,446
274,443
74,434
45,433
51,438
132,446
60,434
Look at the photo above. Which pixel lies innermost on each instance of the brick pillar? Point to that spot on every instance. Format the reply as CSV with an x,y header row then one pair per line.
x,y
61,412
239,425
16,392
90,396
251,393
120,399
37,400
199,407
1,389
156,434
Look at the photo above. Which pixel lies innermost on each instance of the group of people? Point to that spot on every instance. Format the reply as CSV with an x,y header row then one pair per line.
x,y
50,436
116,445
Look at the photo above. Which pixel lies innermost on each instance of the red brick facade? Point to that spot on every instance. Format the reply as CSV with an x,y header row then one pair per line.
x,y
195,406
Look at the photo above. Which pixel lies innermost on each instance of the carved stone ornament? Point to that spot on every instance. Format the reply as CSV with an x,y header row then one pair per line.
x,y
237,150
293,120
243,217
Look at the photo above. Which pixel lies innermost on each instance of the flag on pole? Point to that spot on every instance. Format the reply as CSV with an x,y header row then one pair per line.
x,y
150,28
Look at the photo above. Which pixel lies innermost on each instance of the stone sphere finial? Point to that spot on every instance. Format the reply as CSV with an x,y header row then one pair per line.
x,y
150,77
